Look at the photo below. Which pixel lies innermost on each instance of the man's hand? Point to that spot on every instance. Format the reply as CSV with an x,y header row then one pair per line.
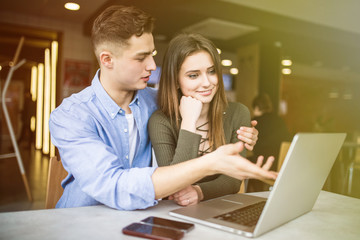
x,y
234,165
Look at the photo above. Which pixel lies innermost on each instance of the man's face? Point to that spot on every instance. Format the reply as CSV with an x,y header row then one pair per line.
x,y
133,64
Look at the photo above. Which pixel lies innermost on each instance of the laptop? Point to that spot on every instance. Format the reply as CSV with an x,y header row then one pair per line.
x,y
300,180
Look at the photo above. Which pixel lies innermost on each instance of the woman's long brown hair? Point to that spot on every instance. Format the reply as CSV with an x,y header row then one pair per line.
x,y
180,47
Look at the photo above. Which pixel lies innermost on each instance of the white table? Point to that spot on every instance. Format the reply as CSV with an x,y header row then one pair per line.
x,y
333,217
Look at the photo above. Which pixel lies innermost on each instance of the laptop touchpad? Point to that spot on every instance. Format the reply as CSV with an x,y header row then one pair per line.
x,y
224,204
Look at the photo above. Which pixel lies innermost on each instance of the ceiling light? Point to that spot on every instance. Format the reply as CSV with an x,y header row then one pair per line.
x,y
333,95
234,71
347,96
286,62
72,6
218,50
226,62
278,44
286,71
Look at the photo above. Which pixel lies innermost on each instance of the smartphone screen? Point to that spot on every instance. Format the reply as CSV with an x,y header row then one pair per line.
x,y
183,226
152,232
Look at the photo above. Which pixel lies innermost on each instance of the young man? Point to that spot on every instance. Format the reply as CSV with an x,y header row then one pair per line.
x,y
101,132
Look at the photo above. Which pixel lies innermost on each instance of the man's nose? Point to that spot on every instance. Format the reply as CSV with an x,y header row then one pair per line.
x,y
151,65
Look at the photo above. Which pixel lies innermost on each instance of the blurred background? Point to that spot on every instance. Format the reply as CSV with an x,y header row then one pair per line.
x,y
304,54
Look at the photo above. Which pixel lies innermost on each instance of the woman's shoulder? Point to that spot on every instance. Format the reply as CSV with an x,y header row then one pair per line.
x,y
158,114
237,107
159,117
237,114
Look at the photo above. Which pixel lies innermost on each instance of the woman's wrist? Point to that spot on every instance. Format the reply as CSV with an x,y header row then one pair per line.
x,y
199,192
188,125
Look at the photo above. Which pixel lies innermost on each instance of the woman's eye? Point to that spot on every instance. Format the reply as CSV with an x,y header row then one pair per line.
x,y
192,76
212,71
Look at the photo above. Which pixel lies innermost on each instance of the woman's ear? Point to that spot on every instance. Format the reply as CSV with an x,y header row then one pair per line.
x,y
106,59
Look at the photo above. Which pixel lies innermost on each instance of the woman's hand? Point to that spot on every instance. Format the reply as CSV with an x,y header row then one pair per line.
x,y
190,195
249,135
190,110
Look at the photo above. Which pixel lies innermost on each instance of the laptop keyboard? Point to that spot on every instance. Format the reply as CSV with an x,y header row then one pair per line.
x,y
247,216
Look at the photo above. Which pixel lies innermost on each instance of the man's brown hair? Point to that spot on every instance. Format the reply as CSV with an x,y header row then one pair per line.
x,y
117,24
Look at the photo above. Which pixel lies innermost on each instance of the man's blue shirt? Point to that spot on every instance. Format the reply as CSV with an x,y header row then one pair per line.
x,y
91,133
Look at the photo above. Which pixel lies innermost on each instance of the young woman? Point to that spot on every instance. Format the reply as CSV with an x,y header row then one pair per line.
x,y
194,117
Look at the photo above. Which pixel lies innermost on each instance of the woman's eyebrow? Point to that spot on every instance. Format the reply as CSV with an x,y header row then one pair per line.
x,y
191,71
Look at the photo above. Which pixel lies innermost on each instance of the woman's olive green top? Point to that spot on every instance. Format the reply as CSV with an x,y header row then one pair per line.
x,y
172,146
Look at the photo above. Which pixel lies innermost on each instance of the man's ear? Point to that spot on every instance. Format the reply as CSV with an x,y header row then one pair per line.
x,y
106,59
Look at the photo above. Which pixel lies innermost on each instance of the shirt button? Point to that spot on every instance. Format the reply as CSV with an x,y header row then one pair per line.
x,y
120,111
127,157
125,130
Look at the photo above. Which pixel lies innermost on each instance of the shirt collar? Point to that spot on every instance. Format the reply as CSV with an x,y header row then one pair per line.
x,y
108,103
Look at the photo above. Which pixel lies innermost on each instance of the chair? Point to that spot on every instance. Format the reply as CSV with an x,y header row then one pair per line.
x,y
284,147
54,190
242,187
354,166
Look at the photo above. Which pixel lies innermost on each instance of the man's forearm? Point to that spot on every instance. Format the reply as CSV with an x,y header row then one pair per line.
x,y
224,160
170,179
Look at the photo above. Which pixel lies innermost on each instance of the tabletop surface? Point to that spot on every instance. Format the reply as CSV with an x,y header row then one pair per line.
x,y
333,217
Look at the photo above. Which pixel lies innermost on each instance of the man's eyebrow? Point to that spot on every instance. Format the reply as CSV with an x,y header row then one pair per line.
x,y
145,53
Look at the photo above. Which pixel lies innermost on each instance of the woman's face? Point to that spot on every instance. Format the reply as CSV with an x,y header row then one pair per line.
x,y
198,78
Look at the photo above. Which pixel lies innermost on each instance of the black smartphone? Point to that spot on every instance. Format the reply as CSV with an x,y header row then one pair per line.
x,y
152,232
157,221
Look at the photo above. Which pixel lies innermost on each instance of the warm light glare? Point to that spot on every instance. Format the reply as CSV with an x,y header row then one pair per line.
x,y
72,6
286,62
33,83
286,71
39,107
234,71
218,50
0,67
226,62
32,123
47,86
54,58
154,53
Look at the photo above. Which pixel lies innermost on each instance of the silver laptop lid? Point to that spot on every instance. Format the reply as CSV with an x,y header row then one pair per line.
x,y
301,179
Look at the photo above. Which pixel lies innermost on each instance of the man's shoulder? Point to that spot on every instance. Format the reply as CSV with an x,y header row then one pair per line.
x,y
76,101
148,98
149,92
